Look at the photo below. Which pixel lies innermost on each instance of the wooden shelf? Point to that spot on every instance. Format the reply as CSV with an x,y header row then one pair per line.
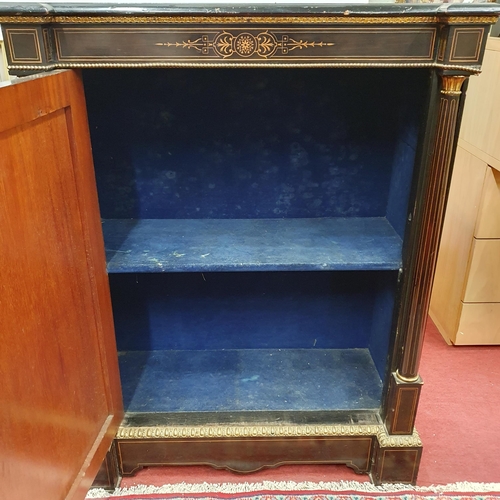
x,y
249,380
204,245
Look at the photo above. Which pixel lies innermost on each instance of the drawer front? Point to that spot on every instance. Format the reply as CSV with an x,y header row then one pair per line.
x,y
483,284
488,221
479,324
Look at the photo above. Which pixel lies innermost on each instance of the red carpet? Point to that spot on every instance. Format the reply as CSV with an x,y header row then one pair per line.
x,y
458,421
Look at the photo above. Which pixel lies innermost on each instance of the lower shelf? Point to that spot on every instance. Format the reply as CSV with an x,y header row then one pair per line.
x,y
249,380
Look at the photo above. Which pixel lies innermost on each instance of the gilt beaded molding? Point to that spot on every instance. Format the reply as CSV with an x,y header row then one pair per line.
x,y
407,441
471,70
269,431
243,431
267,20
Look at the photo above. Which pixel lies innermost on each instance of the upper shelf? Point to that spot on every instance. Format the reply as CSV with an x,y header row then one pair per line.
x,y
204,245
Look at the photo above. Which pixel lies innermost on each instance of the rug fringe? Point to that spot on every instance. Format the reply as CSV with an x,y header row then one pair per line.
x,y
288,486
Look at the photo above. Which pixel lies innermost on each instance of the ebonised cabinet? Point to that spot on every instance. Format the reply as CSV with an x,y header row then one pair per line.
x,y
255,229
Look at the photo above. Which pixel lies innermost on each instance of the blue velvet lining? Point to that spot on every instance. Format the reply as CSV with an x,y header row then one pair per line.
x,y
249,380
382,319
260,143
289,310
309,144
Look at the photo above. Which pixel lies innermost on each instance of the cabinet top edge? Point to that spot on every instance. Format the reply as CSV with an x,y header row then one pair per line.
x,y
445,13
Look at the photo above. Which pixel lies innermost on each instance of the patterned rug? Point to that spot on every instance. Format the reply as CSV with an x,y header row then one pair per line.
x,y
268,490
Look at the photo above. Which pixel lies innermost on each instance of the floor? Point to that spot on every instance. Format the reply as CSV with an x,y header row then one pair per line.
x,y
458,422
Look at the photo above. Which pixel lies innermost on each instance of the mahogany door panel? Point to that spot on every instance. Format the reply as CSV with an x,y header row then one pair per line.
x,y
60,401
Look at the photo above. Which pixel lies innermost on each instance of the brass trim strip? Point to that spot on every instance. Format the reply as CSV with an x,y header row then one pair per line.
x,y
257,64
26,20
346,19
11,45
456,34
247,431
169,19
471,20
406,379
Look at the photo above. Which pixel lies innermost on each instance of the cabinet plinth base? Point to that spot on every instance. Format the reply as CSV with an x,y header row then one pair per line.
x,y
396,458
108,476
367,449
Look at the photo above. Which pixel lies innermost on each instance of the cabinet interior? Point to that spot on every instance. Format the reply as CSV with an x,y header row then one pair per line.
x,y
254,223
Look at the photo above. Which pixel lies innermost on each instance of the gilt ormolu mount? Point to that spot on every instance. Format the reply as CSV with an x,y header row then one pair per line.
x,y
449,42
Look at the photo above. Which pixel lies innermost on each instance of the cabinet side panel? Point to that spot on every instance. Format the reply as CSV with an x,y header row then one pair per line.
x,y
55,405
456,241
483,104
488,221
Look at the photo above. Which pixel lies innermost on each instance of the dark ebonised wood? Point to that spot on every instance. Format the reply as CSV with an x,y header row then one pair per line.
x,y
380,303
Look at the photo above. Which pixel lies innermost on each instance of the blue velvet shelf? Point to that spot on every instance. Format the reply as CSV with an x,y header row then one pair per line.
x,y
204,245
249,380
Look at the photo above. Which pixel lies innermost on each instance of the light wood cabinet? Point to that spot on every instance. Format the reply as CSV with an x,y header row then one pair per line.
x,y
465,302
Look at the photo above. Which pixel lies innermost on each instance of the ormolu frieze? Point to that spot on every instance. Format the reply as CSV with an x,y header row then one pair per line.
x,y
223,20
389,441
232,431
347,18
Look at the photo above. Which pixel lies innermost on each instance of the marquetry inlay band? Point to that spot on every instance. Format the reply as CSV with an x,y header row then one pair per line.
x,y
264,44
266,20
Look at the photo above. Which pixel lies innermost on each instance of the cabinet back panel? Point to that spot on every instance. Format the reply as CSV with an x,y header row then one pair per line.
x,y
236,143
287,310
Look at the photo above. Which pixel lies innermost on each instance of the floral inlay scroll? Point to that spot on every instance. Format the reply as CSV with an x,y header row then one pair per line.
x,y
264,44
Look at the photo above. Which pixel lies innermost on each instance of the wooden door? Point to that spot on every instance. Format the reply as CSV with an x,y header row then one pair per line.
x,y
60,398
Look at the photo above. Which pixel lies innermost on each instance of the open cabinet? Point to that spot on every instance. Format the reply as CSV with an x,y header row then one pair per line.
x,y
249,246
253,235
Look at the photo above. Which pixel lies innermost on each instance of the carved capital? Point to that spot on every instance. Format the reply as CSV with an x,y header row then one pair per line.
x,y
452,85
